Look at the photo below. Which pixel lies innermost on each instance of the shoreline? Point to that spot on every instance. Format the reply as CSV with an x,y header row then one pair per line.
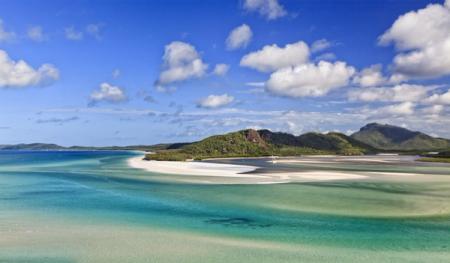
x,y
236,174
192,168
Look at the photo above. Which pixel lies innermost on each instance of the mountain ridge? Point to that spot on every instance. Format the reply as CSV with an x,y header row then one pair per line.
x,y
390,137
256,143
371,138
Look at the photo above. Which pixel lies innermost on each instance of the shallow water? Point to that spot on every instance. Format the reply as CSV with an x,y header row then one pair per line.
x,y
91,207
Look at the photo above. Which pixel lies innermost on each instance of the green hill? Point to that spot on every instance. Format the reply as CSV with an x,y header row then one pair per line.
x,y
335,142
389,137
371,138
252,143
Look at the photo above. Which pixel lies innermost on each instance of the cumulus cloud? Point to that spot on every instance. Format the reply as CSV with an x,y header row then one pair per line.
x,y
320,45
108,93
36,33
20,74
398,93
423,39
273,57
72,34
309,79
439,98
402,109
181,62
239,37
270,9
6,36
221,69
369,77
433,110
215,101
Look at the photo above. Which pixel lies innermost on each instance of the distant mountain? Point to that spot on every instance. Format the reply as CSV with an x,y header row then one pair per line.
x,y
371,138
252,143
55,147
389,137
31,146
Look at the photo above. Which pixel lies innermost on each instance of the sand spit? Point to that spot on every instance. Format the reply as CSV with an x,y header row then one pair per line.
x,y
239,172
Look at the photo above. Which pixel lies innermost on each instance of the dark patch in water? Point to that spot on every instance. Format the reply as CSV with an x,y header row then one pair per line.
x,y
238,221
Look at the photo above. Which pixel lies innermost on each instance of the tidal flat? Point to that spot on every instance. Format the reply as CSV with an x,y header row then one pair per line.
x,y
92,206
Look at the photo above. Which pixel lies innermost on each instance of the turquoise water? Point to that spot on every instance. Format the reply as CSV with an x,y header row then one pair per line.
x,y
92,207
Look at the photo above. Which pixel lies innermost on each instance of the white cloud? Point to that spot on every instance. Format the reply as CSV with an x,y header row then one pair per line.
x,y
271,58
255,84
72,34
239,37
423,38
215,101
214,120
310,79
439,98
404,108
221,69
6,36
433,110
109,93
181,62
20,74
36,33
399,93
430,23
369,77
94,30
397,78
326,56
270,9
320,45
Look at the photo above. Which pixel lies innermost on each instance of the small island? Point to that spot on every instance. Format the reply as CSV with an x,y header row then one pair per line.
x,y
373,138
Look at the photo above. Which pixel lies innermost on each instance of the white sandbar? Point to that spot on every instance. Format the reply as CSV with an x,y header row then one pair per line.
x,y
238,172
192,168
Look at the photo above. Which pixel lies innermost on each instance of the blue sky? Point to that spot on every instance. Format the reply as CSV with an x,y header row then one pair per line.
x,y
144,72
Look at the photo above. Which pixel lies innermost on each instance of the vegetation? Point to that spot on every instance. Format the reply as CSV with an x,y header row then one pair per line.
x,y
434,159
335,142
442,157
252,143
393,138
372,138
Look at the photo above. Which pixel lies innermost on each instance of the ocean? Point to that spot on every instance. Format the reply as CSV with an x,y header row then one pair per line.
x,y
90,206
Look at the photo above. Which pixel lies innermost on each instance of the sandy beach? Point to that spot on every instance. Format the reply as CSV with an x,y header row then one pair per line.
x,y
192,168
232,171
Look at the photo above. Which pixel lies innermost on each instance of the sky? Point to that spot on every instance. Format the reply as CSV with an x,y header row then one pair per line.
x,y
144,72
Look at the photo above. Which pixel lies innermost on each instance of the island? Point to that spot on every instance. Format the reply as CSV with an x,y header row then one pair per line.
x,y
373,138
